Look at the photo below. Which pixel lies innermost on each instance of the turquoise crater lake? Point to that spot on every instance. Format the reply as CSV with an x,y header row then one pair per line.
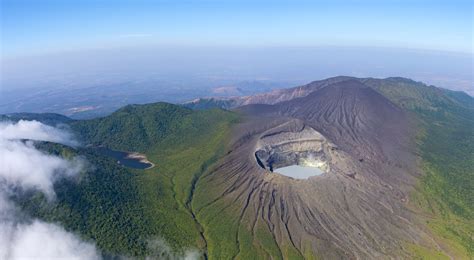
x,y
299,171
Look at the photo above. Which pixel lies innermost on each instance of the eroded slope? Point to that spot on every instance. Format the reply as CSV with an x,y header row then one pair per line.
x,y
356,210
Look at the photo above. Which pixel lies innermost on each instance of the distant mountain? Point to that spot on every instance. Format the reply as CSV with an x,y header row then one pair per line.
x,y
271,97
208,103
415,91
227,91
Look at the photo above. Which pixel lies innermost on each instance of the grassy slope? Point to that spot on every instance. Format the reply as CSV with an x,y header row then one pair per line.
x,y
445,194
180,161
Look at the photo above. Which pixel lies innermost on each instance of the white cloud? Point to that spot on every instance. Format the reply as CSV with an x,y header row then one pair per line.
x,y
159,249
37,239
35,130
23,166
54,242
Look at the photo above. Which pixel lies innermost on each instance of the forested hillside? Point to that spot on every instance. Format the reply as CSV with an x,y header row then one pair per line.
x,y
446,145
137,212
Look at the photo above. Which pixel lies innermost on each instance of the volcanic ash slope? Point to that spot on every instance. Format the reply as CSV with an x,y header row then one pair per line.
x,y
356,209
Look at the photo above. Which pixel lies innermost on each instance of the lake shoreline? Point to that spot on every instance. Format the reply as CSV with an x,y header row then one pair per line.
x,y
140,157
133,160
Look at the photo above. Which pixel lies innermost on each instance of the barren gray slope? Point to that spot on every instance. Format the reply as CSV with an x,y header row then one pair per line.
x,y
272,97
357,209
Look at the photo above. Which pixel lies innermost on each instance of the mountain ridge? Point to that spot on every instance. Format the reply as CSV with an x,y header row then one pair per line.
x,y
280,95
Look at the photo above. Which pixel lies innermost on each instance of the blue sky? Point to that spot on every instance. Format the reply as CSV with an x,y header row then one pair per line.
x,y
44,26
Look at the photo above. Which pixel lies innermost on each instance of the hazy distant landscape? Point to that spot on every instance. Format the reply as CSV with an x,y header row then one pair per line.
x,y
75,85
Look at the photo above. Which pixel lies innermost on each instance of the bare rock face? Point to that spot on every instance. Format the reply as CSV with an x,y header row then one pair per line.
x,y
293,143
355,210
272,97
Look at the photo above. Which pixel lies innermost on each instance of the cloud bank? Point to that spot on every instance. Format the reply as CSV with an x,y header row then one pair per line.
x,y
35,239
23,166
34,130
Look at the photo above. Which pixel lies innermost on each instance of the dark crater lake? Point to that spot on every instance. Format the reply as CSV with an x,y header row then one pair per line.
x,y
127,159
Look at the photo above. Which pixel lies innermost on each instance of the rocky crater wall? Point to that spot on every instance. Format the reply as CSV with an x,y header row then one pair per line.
x,y
302,146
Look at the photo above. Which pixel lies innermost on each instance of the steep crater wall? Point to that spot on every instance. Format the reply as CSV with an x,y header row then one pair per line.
x,y
304,146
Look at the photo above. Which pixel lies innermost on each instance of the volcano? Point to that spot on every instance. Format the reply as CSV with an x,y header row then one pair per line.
x,y
356,209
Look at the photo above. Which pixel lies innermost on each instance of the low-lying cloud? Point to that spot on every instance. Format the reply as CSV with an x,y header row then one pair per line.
x,y
34,130
35,239
22,166
159,249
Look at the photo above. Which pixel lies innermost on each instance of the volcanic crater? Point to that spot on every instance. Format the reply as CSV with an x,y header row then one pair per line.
x,y
302,146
